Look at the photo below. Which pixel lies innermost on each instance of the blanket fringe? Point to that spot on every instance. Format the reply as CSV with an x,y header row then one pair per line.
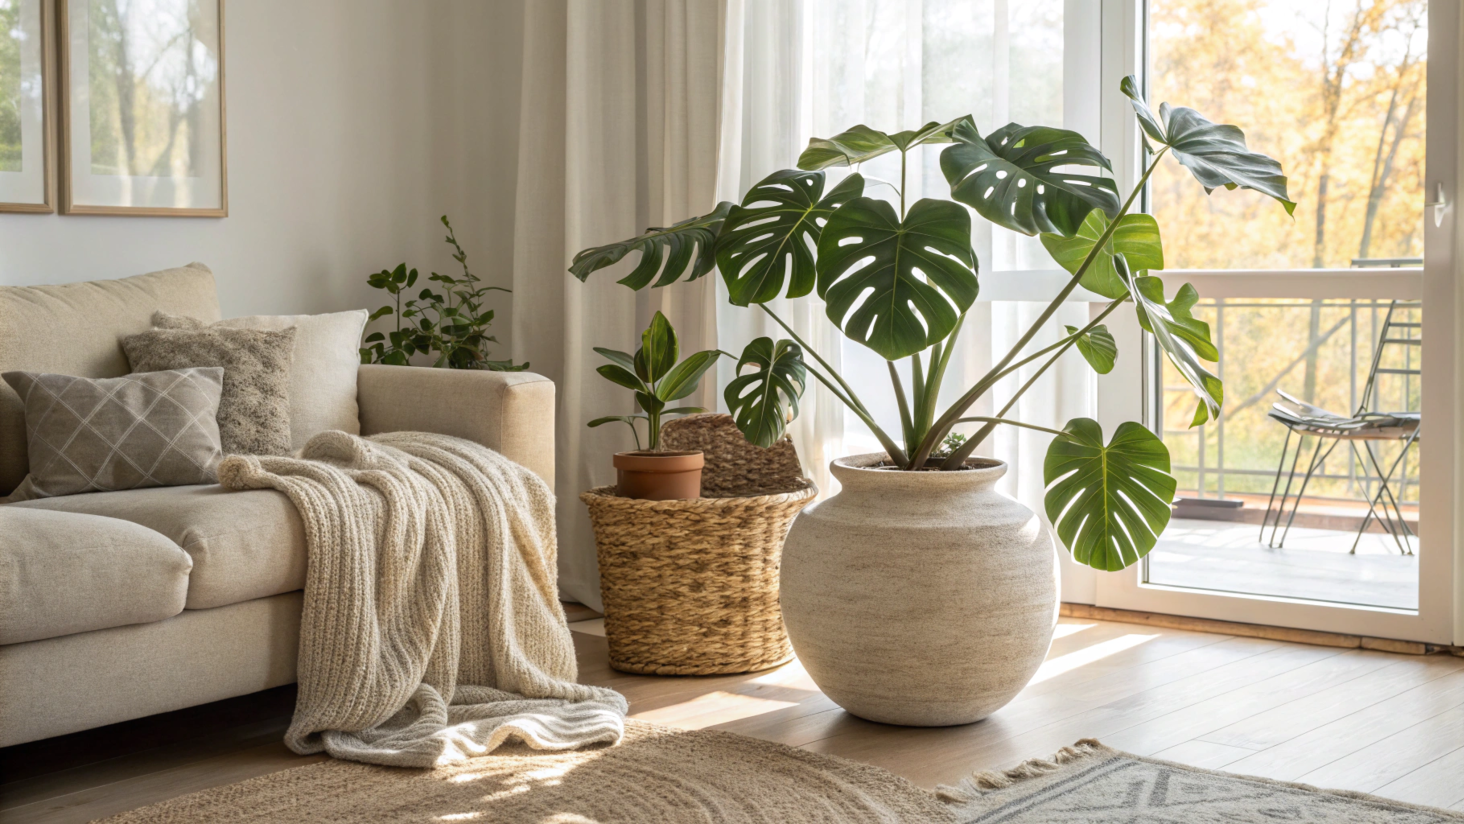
x,y
986,781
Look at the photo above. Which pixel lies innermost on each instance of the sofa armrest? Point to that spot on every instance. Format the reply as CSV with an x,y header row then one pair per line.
x,y
511,412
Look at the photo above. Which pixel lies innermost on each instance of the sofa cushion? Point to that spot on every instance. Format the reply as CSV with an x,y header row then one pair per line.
x,y
322,372
244,545
102,434
74,330
63,573
254,412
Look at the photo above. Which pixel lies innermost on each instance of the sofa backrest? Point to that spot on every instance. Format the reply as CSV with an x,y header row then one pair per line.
x,y
75,329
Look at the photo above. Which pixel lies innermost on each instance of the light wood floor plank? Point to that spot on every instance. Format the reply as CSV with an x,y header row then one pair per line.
x,y
1436,783
121,768
1196,720
1360,732
1395,757
1280,724
1198,753
110,799
930,757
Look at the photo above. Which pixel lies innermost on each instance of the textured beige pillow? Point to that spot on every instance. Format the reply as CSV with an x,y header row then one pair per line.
x,y
323,372
103,434
254,413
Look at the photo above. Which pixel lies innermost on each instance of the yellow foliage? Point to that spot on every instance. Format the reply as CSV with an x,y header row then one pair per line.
x,y
1338,101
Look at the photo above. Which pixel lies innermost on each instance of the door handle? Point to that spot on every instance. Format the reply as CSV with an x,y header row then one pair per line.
x,y
1439,206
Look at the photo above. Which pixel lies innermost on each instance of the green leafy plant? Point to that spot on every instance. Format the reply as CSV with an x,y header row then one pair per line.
x,y
451,325
901,281
656,377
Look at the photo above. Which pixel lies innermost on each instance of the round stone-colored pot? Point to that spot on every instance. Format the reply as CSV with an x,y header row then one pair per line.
x,y
919,598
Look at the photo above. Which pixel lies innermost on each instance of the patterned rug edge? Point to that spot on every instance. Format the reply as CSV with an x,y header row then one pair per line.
x,y
985,782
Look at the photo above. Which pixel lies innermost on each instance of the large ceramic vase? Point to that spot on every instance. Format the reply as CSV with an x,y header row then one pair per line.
x,y
919,598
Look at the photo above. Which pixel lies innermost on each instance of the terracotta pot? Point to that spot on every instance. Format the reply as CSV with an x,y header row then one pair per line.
x,y
658,476
919,598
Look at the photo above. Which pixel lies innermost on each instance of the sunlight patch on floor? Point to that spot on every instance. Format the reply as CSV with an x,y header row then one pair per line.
x,y
1064,630
712,709
1067,663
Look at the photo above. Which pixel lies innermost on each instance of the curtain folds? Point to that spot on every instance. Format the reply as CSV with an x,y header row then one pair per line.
x,y
618,131
640,113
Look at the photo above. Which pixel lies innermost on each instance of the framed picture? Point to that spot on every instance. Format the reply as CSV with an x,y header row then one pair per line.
x,y
26,159
142,102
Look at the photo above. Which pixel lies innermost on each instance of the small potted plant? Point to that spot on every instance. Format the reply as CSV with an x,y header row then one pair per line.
x,y
657,379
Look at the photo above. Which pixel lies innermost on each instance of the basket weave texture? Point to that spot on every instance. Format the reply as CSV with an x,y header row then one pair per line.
x,y
691,587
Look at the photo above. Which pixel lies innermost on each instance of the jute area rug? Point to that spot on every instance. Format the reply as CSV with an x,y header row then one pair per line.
x,y
658,775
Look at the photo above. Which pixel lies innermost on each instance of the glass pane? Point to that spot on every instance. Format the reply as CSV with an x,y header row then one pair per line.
x,y
1335,92
1276,499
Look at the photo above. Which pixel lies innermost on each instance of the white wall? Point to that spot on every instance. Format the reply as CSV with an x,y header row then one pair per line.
x,y
352,125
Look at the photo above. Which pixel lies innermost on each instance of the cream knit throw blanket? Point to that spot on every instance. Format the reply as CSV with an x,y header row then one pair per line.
x,y
432,629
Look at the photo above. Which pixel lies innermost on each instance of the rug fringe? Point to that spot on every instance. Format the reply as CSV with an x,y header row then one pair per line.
x,y
986,781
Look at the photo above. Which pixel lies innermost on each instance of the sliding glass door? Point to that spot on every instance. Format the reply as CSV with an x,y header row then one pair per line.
x,y
1321,499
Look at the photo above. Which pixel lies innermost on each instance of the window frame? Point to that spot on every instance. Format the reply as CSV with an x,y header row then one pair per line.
x,y
1128,393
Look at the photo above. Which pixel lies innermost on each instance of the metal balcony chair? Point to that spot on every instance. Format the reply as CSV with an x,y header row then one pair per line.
x,y
1362,427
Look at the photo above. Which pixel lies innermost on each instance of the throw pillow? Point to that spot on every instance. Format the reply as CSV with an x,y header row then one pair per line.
x,y
104,434
254,413
323,372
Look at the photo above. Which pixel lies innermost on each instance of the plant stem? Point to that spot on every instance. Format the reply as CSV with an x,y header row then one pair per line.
x,y
847,396
906,422
634,434
896,454
947,420
917,377
1073,338
1009,422
939,363
902,185
919,407
958,456
852,399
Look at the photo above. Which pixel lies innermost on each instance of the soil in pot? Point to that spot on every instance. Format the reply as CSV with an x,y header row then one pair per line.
x,y
659,476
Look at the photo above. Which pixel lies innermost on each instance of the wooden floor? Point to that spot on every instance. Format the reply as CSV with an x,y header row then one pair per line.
x,y
1356,719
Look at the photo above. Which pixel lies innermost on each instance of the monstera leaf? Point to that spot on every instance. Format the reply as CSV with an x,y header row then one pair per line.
x,y
1216,154
1108,503
862,143
1097,347
770,238
1184,338
688,246
867,253
1136,238
763,400
1011,178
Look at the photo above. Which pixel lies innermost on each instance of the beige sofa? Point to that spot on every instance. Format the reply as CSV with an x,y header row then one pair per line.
x,y
117,605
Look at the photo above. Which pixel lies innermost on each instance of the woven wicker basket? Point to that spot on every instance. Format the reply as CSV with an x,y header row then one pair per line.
x,y
691,587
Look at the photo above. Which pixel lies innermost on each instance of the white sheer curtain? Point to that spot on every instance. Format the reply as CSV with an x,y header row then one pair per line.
x,y
800,68
618,131
644,112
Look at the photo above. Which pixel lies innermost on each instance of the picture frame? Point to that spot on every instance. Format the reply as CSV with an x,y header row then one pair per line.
x,y
143,112
27,129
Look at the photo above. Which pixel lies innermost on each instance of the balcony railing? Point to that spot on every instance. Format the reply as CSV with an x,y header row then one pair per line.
x,y
1318,350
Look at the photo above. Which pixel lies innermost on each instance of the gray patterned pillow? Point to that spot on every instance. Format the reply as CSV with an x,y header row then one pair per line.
x,y
103,434
254,413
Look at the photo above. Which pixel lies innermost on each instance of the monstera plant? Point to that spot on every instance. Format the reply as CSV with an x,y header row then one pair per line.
x,y
900,279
